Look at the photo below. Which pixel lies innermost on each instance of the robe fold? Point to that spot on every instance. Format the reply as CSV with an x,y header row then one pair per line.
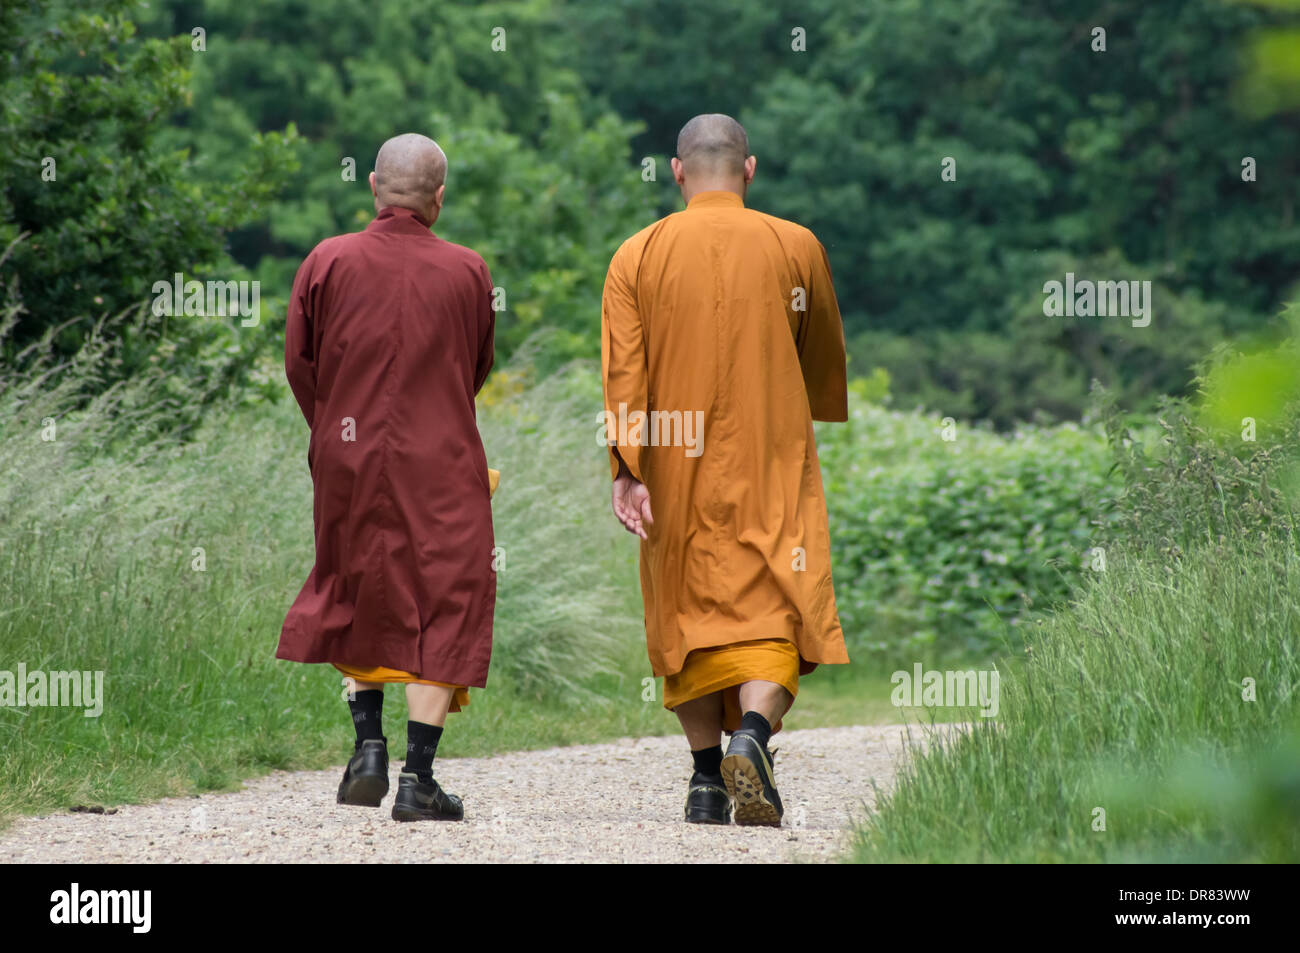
x,y
389,336
726,317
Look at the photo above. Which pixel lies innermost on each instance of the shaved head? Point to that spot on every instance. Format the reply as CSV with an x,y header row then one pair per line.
x,y
713,145
409,171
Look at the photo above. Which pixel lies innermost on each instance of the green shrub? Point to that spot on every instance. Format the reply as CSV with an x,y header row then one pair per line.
x,y
1223,465
941,547
95,208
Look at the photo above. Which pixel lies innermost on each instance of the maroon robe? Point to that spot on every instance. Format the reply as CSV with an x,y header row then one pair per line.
x,y
392,327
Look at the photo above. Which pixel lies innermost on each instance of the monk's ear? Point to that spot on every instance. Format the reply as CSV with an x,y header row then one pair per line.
x,y
437,196
374,190
679,171
750,165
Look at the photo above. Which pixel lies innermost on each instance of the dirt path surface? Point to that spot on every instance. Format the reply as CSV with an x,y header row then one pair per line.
x,y
615,802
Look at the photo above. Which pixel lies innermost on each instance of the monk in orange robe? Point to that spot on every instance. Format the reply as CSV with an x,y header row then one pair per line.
x,y
721,342
388,338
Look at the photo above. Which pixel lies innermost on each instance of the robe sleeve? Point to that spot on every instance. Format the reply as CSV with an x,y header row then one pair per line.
x,y
624,373
486,325
299,341
821,344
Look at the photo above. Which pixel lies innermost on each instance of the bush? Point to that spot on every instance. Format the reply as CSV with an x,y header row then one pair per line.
x,y
938,545
1225,465
94,209
1031,367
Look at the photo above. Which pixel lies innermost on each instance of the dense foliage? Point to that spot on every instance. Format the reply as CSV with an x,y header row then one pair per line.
x,y
1122,164
539,183
1155,719
947,539
95,208
174,148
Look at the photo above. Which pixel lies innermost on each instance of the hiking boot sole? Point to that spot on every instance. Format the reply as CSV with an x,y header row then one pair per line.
x,y
745,785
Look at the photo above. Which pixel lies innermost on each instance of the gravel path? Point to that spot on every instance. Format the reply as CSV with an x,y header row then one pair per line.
x,y
614,802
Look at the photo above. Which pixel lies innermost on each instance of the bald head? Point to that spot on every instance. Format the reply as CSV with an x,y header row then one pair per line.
x,y
409,172
713,146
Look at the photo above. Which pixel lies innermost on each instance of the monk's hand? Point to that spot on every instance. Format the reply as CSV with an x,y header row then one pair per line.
x,y
632,503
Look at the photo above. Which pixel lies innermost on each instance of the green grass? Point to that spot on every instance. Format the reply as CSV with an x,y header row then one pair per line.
x,y
860,694
1130,702
98,532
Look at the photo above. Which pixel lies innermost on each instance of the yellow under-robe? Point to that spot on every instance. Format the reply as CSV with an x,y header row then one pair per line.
x,y
723,668
377,673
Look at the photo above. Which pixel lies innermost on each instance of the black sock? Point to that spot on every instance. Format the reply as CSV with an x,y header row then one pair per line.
x,y
753,721
421,746
368,715
708,761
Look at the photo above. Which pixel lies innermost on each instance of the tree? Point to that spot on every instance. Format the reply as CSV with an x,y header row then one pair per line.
x,y
92,211
540,181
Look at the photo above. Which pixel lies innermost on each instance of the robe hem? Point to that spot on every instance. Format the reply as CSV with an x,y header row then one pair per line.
x,y
470,672
808,656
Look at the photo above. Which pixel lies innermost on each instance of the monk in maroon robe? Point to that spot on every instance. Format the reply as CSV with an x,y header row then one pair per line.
x,y
389,337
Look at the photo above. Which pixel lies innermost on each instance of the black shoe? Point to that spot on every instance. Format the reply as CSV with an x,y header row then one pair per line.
x,y
707,801
365,779
418,801
747,772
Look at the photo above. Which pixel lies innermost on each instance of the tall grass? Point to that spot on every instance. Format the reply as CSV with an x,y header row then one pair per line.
x,y
569,587
101,533
1157,718
1132,702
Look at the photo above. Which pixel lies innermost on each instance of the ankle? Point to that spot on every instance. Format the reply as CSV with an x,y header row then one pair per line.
x,y
708,761
760,726
421,747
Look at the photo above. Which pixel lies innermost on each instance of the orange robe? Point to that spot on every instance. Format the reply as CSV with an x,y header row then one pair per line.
x,y
721,342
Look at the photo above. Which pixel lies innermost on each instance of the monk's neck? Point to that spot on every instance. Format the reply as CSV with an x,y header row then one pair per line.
x,y
689,192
